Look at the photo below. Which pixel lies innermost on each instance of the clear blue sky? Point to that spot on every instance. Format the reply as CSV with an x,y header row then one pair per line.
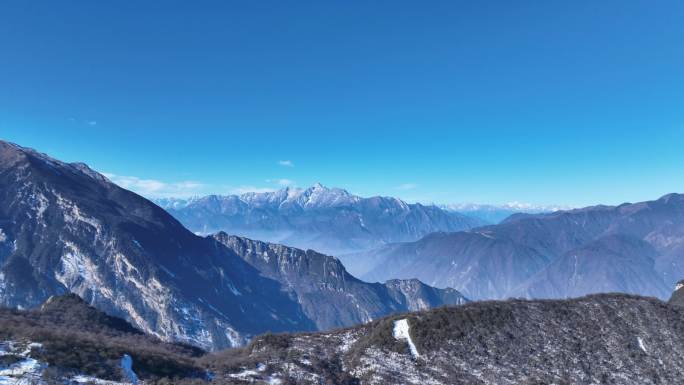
x,y
568,102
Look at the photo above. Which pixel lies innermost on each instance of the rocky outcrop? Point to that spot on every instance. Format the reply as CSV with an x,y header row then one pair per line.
x,y
327,293
677,298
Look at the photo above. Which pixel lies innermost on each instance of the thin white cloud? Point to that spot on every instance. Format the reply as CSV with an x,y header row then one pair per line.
x,y
254,189
250,189
286,163
282,182
407,186
92,123
153,188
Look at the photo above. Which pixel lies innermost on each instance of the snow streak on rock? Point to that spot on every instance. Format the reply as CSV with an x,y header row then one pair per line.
x,y
401,332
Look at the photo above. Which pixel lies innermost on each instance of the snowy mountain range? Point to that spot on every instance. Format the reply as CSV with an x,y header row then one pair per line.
x,y
329,220
64,228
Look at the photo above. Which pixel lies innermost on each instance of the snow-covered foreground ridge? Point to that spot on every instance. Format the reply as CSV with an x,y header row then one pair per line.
x,y
599,339
611,338
19,367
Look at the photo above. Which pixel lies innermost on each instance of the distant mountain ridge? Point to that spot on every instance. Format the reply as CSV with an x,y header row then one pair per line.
x,y
635,248
330,220
493,214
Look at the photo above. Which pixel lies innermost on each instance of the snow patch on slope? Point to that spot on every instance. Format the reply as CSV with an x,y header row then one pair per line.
x,y
78,270
82,379
26,370
642,346
401,332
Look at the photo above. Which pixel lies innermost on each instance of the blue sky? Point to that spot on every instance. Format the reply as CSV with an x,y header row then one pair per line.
x,y
545,102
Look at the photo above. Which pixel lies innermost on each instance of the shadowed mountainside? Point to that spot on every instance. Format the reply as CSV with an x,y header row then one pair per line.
x,y
328,294
635,248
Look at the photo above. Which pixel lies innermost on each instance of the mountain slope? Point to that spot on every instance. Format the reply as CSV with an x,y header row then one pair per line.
x,y
330,220
543,245
65,341
600,339
65,228
615,263
328,294
480,265
494,214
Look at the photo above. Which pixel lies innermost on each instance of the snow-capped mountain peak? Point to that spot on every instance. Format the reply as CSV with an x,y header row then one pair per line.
x,y
327,219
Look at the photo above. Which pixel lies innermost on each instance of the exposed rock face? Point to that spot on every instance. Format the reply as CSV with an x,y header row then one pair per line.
x,y
65,228
329,220
415,295
635,248
328,294
677,298
600,339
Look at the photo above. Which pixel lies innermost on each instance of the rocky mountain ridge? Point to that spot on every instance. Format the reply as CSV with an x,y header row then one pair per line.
x,y
328,294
